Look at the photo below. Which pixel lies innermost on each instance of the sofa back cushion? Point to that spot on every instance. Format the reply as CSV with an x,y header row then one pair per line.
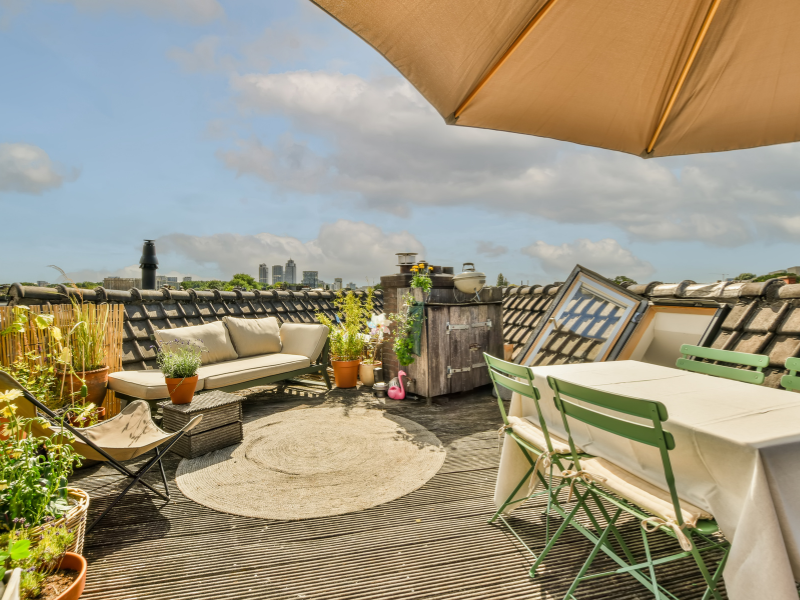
x,y
303,339
213,336
252,337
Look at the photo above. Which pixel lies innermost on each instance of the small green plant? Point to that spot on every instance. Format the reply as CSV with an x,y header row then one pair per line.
x,y
421,278
33,469
38,560
347,335
405,322
87,338
178,359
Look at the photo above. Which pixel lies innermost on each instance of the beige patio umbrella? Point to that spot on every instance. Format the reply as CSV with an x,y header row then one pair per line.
x,y
647,77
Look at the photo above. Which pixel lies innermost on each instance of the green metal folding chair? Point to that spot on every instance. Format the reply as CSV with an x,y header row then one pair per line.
x,y
759,361
606,484
792,381
542,450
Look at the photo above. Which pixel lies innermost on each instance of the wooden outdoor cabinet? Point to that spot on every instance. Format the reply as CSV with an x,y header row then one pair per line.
x,y
454,337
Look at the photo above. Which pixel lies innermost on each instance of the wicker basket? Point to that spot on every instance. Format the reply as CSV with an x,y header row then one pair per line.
x,y
75,520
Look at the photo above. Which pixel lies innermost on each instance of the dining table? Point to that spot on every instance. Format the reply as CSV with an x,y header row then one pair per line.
x,y
737,456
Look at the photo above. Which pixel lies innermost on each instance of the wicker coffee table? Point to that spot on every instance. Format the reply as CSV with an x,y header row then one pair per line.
x,y
221,425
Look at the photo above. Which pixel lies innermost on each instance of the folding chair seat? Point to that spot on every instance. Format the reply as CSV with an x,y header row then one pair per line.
x,y
615,491
530,431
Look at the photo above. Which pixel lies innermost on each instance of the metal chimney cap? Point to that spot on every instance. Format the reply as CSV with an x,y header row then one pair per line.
x,y
148,254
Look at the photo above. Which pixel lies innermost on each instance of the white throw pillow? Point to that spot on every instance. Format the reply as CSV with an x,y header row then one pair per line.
x,y
213,336
252,337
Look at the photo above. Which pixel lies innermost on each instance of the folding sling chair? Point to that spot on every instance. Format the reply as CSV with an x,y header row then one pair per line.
x,y
743,359
125,436
542,449
656,509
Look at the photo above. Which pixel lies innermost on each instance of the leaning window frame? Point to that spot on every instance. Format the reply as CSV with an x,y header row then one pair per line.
x,y
633,304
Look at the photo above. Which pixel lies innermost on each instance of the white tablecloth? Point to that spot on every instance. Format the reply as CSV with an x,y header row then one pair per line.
x,y
737,455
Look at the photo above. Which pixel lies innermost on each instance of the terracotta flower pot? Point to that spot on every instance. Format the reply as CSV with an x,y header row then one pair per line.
x,y
96,384
366,373
181,389
73,562
345,372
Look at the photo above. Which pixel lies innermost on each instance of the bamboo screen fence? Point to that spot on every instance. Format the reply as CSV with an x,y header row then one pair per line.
x,y
14,345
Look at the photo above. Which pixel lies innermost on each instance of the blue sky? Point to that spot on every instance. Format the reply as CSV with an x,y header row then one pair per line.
x,y
243,132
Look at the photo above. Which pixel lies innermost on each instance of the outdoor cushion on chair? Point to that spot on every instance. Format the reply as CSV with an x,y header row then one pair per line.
x,y
213,336
252,337
147,385
533,434
249,369
303,339
641,493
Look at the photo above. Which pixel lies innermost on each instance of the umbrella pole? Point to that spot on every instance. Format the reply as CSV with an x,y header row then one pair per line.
x,y
684,72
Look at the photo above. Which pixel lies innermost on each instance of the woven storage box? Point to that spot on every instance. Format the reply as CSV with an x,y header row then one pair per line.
x,y
218,408
75,520
197,444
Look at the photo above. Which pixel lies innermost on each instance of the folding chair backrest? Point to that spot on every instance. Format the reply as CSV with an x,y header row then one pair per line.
x,y
652,434
759,361
516,378
791,381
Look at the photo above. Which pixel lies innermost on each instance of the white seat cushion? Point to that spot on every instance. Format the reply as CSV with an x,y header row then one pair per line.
x,y
213,336
636,490
147,385
530,431
243,370
254,337
305,339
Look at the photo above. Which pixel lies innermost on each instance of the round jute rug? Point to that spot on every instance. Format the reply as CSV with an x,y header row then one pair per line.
x,y
314,462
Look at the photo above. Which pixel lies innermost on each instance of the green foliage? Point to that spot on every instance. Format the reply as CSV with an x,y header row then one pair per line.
x,y
244,281
502,281
38,560
16,550
178,359
770,276
745,276
620,279
346,336
421,278
403,343
33,470
86,340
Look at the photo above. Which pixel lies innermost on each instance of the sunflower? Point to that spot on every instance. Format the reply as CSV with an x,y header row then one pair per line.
x,y
415,268
430,268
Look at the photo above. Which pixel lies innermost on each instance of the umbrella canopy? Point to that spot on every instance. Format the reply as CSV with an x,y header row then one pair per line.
x,y
651,78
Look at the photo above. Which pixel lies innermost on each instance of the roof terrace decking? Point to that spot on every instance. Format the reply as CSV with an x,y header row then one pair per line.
x,y
432,543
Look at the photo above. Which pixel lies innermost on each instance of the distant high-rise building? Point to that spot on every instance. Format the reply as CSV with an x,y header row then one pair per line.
x,y
290,272
337,283
310,278
41,283
162,280
187,279
277,274
263,274
352,286
122,283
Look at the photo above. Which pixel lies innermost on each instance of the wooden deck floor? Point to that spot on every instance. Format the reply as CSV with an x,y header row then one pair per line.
x,y
431,544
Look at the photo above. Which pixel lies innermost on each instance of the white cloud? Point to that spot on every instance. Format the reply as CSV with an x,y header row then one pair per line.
x,y
202,57
606,257
195,12
352,250
28,169
379,141
491,250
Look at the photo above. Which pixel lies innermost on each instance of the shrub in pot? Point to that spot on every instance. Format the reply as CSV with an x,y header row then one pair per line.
x,y
378,326
179,362
85,376
347,335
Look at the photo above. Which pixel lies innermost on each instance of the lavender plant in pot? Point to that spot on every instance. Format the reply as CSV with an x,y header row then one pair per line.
x,y
179,362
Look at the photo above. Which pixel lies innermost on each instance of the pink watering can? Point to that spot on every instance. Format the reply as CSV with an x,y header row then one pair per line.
x,y
396,389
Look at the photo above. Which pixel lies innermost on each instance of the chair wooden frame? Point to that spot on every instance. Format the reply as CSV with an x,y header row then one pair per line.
x,y
651,434
508,375
759,361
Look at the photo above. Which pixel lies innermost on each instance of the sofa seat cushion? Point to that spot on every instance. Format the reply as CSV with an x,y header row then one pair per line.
x,y
213,336
147,385
253,337
305,339
243,370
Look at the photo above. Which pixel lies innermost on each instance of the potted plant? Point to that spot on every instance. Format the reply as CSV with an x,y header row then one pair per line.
x,y
83,372
346,336
179,362
378,326
46,568
407,331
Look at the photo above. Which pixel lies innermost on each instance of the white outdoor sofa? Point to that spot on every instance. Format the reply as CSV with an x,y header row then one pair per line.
x,y
241,353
